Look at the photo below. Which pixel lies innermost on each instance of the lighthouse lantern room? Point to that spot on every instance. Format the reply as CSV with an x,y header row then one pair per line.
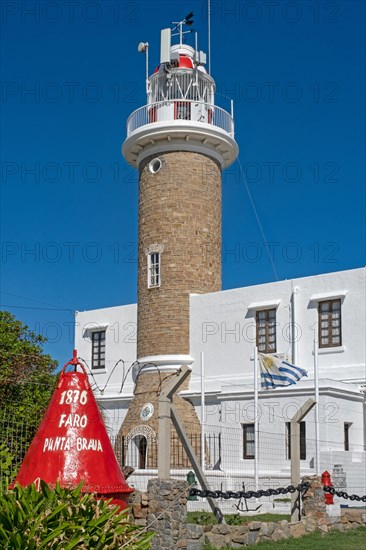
x,y
180,102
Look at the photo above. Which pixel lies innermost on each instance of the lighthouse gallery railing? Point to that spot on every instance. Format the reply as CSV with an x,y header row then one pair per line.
x,y
180,110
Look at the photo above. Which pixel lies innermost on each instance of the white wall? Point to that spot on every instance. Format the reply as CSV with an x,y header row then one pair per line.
x,y
120,324
224,329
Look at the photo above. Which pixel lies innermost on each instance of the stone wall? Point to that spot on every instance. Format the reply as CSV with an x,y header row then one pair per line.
x,y
139,504
167,513
173,531
222,536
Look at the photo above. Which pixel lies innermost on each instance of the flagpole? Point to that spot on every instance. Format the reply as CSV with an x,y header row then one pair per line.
x,y
209,35
203,414
316,384
295,292
256,420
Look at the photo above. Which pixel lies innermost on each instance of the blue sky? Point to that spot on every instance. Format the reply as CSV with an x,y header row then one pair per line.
x,y
71,76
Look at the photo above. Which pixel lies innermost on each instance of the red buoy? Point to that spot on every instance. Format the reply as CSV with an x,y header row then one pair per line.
x,y
72,444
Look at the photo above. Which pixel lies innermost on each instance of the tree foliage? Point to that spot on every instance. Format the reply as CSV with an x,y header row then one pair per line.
x,y
27,381
7,470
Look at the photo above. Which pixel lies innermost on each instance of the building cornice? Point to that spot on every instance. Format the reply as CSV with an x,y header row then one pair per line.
x,y
327,387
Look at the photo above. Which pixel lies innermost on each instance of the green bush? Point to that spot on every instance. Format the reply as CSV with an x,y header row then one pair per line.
x,y
64,519
201,518
207,518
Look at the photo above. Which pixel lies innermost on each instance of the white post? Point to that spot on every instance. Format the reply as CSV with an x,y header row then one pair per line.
x,y
164,436
295,291
181,33
256,420
203,413
147,70
316,384
363,391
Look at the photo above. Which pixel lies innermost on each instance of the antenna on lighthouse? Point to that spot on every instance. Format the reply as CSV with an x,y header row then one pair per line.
x,y
165,43
141,48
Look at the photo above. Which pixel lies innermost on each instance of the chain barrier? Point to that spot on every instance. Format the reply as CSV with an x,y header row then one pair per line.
x,y
343,494
270,492
249,494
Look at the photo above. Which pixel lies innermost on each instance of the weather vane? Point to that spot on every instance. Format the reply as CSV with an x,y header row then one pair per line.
x,y
188,21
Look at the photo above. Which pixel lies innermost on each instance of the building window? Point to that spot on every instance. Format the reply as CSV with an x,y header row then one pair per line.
x,y
248,441
153,269
329,318
347,426
266,330
302,440
98,349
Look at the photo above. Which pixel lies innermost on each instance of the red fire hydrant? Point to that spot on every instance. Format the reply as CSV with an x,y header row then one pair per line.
x,y
327,482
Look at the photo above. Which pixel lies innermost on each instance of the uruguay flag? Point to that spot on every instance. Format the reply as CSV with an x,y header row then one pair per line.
x,y
276,372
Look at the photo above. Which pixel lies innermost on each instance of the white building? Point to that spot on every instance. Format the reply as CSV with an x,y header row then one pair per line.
x,y
278,317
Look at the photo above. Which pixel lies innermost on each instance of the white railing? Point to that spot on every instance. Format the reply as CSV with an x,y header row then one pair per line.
x,y
180,110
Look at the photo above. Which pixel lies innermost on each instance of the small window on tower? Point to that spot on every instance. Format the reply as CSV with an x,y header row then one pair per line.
x,y
155,165
153,270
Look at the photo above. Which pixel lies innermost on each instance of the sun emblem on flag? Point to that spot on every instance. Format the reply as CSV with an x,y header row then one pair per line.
x,y
268,362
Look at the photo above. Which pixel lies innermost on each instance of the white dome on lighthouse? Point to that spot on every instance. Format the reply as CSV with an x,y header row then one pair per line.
x,y
183,49
184,57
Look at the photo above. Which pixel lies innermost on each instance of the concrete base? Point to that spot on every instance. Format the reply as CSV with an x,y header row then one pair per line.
x,y
334,512
161,363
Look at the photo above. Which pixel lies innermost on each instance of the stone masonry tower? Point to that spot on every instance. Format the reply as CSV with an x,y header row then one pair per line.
x,y
179,141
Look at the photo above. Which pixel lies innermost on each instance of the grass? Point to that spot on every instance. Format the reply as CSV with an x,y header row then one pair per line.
x,y
207,518
336,540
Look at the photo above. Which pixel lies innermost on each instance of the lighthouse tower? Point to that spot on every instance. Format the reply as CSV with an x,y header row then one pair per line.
x,y
180,142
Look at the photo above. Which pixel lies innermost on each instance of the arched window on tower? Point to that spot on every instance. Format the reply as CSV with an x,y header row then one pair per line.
x,y
137,452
